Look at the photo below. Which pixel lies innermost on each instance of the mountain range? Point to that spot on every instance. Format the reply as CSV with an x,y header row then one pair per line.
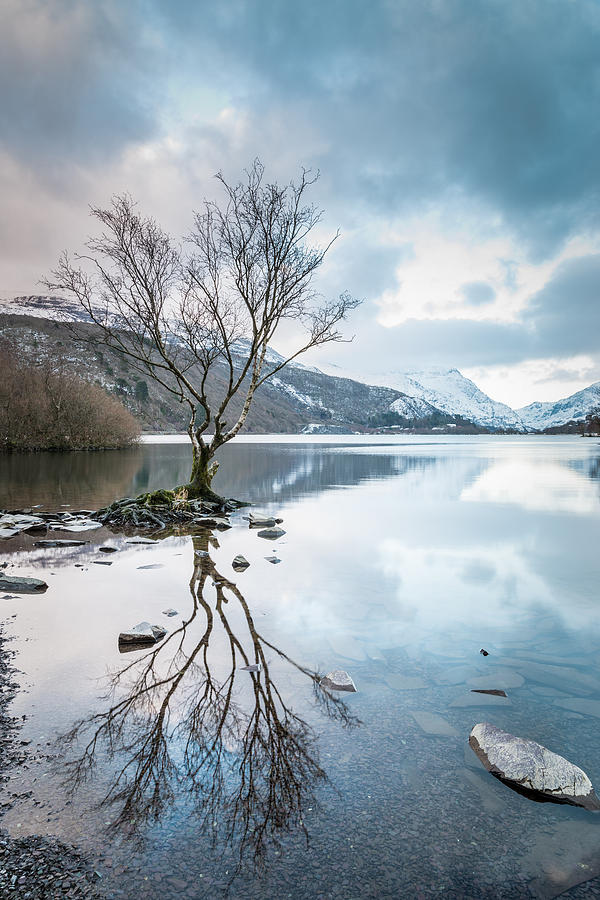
x,y
298,398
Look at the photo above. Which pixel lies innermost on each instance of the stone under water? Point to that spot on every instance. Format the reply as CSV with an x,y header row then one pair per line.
x,y
532,768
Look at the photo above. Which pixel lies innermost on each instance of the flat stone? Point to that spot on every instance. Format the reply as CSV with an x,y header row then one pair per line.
x,y
152,566
144,633
102,562
6,533
271,534
581,705
59,543
528,766
431,723
240,563
405,682
22,585
273,559
255,667
338,680
107,549
498,678
477,699
169,612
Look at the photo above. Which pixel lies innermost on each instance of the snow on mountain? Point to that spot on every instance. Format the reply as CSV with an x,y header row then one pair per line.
x,y
450,391
412,407
573,408
56,308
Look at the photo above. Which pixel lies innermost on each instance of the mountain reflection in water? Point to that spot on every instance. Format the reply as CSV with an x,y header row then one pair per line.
x,y
190,720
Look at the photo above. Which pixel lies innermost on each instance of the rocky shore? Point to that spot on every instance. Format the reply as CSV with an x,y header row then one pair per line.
x,y
35,867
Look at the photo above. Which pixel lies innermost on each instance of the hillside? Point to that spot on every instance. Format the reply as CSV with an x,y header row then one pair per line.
x,y
296,398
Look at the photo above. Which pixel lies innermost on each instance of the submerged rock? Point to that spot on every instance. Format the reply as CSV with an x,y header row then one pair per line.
x,y
530,767
254,667
22,585
271,533
144,633
338,680
169,612
59,543
273,559
240,563
495,692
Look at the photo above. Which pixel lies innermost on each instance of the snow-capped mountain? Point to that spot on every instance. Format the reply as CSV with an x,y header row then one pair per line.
x,y
450,391
573,408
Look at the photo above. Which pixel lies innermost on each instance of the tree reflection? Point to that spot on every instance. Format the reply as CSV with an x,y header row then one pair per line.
x,y
191,720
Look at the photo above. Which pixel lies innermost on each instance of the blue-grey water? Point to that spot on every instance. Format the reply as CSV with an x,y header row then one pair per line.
x,y
402,558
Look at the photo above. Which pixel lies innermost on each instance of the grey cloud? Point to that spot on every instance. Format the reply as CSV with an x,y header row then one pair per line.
x,y
78,81
477,293
489,105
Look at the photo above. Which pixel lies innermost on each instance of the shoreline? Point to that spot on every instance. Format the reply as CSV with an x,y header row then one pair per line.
x,y
35,867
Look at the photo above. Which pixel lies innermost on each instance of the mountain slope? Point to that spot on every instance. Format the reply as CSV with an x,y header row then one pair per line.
x,y
296,397
573,408
450,391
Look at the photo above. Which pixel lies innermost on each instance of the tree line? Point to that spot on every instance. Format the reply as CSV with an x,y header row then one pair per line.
x,y
46,407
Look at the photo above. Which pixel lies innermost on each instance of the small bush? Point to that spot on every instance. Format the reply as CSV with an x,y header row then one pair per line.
x,y
44,407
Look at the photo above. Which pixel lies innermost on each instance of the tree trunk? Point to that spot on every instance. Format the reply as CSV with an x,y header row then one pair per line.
x,y
203,471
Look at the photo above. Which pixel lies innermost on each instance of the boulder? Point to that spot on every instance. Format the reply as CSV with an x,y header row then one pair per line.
x,y
338,680
271,534
240,563
529,767
144,633
22,585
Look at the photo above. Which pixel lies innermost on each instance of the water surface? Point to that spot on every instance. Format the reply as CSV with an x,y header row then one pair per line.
x,y
402,558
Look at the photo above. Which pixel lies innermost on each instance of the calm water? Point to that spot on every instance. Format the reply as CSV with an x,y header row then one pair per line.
x,y
401,559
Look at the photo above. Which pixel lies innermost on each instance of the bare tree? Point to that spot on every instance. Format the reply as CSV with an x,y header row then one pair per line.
x,y
185,315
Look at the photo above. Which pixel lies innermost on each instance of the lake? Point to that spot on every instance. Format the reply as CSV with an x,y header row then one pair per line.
x,y
191,776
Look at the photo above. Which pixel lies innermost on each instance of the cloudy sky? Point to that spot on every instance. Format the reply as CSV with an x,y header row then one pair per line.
x,y
457,142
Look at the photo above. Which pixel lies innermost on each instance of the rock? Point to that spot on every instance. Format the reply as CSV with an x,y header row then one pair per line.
x,y
144,633
59,543
273,559
484,652
271,534
261,520
107,549
6,533
102,562
22,585
169,612
240,563
338,680
255,667
152,566
492,691
530,767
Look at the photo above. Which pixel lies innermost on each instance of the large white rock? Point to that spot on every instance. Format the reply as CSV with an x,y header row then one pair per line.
x,y
144,633
338,680
528,765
